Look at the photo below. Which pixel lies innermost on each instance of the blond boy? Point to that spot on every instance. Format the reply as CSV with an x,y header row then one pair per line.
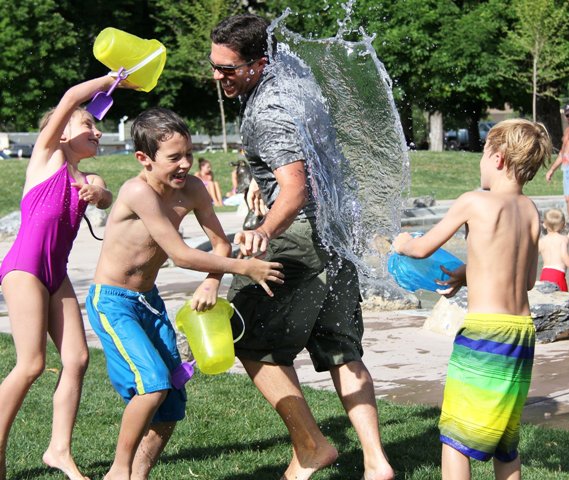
x,y
124,306
490,367
553,249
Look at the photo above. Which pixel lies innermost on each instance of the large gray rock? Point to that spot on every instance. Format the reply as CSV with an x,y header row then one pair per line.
x,y
9,225
96,216
549,310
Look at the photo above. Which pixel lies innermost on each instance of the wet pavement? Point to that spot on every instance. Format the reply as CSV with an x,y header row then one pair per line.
x,y
407,362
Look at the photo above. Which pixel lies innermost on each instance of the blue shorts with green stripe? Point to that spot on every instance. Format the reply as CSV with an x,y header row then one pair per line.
x,y
139,344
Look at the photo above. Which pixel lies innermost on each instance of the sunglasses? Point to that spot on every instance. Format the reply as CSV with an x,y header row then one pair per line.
x,y
228,69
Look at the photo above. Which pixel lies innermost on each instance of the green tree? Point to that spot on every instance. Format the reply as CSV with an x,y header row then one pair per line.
x,y
188,84
465,64
38,57
538,47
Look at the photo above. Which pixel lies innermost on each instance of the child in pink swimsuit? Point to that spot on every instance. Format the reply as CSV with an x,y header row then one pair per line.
x,y
37,290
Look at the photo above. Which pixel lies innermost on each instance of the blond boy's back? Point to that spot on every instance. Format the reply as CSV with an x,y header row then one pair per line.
x,y
502,252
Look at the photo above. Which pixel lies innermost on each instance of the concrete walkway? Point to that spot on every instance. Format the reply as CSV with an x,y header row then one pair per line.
x,y
407,362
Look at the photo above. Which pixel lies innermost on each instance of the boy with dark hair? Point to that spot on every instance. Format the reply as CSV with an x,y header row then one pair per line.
x,y
124,306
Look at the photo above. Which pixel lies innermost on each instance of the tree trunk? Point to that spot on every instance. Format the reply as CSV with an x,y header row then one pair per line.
x,y
474,143
222,113
548,109
534,89
406,116
436,132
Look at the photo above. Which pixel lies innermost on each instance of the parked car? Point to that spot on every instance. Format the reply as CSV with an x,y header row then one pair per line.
x,y
459,139
19,150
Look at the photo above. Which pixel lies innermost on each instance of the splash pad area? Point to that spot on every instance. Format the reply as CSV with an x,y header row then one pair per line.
x,y
408,363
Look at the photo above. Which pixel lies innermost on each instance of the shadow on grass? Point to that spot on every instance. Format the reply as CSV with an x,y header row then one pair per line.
x,y
417,449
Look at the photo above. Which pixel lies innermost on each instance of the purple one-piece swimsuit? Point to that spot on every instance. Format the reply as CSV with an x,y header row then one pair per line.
x,y
51,213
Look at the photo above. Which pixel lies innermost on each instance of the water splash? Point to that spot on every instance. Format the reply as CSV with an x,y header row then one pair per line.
x,y
339,94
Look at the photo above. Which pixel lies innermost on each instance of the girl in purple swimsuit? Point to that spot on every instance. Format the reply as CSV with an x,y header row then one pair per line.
x,y
37,290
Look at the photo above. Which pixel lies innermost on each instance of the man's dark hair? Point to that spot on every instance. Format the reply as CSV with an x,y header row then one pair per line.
x,y
154,126
245,34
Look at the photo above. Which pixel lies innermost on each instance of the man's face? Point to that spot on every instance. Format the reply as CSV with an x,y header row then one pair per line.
x,y
234,81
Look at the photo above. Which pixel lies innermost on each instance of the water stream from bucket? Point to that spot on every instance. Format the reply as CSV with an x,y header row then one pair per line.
x,y
339,94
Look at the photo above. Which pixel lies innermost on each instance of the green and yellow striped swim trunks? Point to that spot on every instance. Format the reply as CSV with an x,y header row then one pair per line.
x,y
487,384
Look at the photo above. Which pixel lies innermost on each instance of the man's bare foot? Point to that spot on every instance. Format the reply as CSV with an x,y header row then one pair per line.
x,y
307,462
384,473
65,463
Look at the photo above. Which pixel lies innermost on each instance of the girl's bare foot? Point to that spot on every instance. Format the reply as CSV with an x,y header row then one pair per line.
x,y
65,463
303,465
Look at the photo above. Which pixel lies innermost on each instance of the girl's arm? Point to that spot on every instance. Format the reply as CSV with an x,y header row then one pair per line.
x,y
49,138
95,192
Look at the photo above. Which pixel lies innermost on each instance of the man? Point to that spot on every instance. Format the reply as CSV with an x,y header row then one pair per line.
x,y
317,308
562,159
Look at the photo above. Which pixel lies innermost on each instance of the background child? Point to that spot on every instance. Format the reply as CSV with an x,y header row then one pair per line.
x,y
124,306
490,367
37,290
205,174
553,249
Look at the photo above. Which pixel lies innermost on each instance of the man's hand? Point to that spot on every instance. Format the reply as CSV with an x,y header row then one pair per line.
x,y
254,200
252,242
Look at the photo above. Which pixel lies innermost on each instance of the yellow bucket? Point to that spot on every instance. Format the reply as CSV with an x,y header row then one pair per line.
x,y
142,59
209,335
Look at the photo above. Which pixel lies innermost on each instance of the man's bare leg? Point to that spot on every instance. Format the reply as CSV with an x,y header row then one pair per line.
x,y
134,425
150,449
354,386
508,470
455,465
281,388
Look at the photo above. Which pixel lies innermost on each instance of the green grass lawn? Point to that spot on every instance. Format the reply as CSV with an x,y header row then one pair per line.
x,y
444,175
230,433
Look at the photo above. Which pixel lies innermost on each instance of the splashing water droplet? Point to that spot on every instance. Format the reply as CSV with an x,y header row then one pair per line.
x,y
354,144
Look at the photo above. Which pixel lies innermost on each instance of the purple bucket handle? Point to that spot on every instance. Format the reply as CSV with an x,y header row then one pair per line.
x,y
102,101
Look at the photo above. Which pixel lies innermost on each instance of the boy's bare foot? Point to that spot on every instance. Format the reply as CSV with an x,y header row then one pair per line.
x,y
65,463
303,465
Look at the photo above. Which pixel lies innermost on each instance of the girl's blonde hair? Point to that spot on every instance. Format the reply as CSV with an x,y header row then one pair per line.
x,y
554,220
525,145
47,115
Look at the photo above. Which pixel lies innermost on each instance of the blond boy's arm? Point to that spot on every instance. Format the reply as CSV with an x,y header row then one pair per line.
x,y
422,247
